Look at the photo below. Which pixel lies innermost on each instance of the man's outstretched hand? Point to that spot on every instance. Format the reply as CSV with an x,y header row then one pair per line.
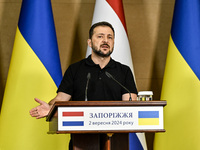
x,y
40,111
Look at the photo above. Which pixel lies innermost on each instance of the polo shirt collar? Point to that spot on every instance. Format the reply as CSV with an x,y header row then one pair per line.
x,y
90,62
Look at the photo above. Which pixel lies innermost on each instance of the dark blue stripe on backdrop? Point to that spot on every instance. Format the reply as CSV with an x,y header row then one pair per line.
x,y
134,143
37,27
186,32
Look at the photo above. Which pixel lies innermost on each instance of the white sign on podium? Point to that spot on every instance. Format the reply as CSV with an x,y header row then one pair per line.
x,y
96,117
109,118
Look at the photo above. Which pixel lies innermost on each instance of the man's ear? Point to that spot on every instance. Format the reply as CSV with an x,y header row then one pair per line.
x,y
89,42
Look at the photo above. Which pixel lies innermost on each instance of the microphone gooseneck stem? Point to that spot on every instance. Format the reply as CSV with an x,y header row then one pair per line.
x,y
86,88
110,76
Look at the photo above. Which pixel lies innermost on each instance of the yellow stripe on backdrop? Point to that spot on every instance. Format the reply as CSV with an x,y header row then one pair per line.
x,y
27,79
181,115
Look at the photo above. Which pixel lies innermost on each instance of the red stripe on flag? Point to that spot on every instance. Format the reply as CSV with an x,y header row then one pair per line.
x,y
77,114
117,6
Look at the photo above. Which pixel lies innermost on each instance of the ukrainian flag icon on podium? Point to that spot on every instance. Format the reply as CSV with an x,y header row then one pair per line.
x,y
148,118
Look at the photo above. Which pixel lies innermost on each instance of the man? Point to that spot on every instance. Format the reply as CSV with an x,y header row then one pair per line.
x,y
100,87
91,73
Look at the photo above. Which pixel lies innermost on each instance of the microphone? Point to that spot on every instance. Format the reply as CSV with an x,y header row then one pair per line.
x,y
110,76
86,88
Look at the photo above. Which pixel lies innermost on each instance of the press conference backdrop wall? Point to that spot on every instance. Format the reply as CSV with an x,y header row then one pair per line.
x,y
148,25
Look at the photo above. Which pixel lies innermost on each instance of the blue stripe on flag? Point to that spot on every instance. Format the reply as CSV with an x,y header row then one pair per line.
x,y
148,114
134,143
186,32
73,123
41,39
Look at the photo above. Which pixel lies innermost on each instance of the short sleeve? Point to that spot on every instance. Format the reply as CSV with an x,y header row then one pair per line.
x,y
130,82
66,84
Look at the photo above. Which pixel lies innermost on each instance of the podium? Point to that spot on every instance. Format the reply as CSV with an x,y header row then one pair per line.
x,y
89,121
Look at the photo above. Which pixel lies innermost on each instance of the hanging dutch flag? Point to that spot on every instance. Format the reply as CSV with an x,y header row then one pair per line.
x,y
113,13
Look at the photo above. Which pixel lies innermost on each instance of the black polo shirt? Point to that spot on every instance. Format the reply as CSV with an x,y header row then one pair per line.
x,y
100,87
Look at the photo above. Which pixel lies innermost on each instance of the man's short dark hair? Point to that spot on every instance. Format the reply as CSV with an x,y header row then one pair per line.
x,y
103,23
